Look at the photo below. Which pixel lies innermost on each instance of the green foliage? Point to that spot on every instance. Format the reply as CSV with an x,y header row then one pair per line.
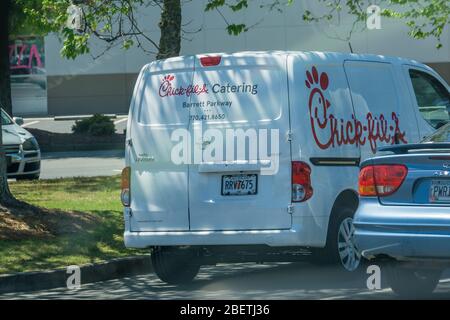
x,y
97,125
236,29
102,129
424,18
112,21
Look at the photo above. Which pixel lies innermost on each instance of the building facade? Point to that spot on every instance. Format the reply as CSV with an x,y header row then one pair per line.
x,y
104,85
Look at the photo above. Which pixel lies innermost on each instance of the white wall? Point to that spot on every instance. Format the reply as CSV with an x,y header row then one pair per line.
x,y
273,31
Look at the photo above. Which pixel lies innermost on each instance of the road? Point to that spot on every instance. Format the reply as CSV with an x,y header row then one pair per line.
x,y
81,164
236,281
65,126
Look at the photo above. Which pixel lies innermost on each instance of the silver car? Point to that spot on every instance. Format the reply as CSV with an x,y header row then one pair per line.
x,y
22,150
404,215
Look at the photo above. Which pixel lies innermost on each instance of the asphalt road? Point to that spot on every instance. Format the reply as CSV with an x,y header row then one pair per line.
x,y
65,126
81,164
236,282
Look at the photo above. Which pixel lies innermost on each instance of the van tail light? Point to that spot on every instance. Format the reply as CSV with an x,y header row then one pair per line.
x,y
210,61
125,195
301,181
381,180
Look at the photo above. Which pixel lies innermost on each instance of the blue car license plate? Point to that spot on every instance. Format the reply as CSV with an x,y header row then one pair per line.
x,y
440,191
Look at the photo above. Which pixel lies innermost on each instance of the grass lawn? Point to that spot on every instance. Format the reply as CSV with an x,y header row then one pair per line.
x,y
98,241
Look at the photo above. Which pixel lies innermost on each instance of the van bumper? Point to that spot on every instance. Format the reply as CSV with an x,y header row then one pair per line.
x,y
204,238
402,232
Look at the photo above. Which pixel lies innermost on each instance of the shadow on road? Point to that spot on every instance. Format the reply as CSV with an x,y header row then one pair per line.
x,y
237,281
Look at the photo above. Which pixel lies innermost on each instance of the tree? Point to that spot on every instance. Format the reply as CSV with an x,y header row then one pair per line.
x,y
424,18
112,21
6,199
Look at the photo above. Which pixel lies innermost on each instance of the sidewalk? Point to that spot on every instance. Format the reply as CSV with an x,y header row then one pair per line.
x,y
56,165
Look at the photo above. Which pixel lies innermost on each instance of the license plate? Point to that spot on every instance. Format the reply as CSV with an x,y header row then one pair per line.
x,y
240,185
440,191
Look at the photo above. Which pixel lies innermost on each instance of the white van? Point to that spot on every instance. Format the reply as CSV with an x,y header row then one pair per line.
x,y
254,156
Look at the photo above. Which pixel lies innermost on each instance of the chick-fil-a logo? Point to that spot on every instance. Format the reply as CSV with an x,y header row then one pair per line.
x,y
339,132
167,88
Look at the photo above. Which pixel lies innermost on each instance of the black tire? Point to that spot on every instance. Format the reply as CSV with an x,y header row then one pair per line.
x,y
175,265
28,177
330,254
412,283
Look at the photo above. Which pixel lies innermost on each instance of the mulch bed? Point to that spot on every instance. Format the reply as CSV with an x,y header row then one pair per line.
x,y
24,221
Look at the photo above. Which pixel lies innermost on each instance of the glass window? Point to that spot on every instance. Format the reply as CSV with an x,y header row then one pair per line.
x,y
6,120
440,136
432,97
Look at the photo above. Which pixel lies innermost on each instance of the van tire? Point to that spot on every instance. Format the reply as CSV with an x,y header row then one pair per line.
x,y
175,265
330,254
410,282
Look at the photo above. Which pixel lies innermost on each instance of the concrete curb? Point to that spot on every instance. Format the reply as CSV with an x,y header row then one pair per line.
x,y
81,117
113,269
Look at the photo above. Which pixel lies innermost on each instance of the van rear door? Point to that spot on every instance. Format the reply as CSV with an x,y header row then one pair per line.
x,y
159,187
240,178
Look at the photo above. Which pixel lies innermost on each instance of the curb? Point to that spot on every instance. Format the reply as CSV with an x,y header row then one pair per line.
x,y
81,117
112,269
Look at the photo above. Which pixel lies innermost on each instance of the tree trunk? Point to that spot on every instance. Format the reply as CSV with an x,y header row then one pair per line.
x,y
6,199
170,25
5,85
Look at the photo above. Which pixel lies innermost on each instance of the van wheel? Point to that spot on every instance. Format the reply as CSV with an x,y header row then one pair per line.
x,y
341,248
412,282
175,265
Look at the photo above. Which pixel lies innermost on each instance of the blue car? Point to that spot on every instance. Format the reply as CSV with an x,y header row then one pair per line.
x,y
403,220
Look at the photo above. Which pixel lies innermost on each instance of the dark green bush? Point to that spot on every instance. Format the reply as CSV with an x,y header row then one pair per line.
x,y
102,129
97,125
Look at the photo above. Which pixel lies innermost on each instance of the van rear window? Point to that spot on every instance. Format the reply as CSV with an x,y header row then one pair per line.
x,y
159,108
239,95
218,95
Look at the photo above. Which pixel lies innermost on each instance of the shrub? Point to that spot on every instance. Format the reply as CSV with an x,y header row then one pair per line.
x,y
102,129
97,125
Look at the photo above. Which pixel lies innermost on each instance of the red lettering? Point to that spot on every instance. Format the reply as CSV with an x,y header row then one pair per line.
x,y
167,90
328,131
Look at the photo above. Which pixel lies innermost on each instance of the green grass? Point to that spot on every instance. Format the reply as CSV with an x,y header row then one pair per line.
x,y
96,196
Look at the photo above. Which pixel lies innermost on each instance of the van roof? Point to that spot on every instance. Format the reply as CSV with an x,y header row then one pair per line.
x,y
314,57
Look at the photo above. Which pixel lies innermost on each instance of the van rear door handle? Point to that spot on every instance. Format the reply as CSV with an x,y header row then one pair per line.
x,y
233,166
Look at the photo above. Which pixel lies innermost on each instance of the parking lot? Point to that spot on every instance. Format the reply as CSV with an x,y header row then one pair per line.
x,y
288,281
77,163
65,126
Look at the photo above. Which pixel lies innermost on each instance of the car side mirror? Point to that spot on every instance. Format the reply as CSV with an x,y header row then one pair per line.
x,y
18,120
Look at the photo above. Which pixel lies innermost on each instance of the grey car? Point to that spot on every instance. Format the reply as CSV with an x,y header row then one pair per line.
x,y
22,150
403,219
